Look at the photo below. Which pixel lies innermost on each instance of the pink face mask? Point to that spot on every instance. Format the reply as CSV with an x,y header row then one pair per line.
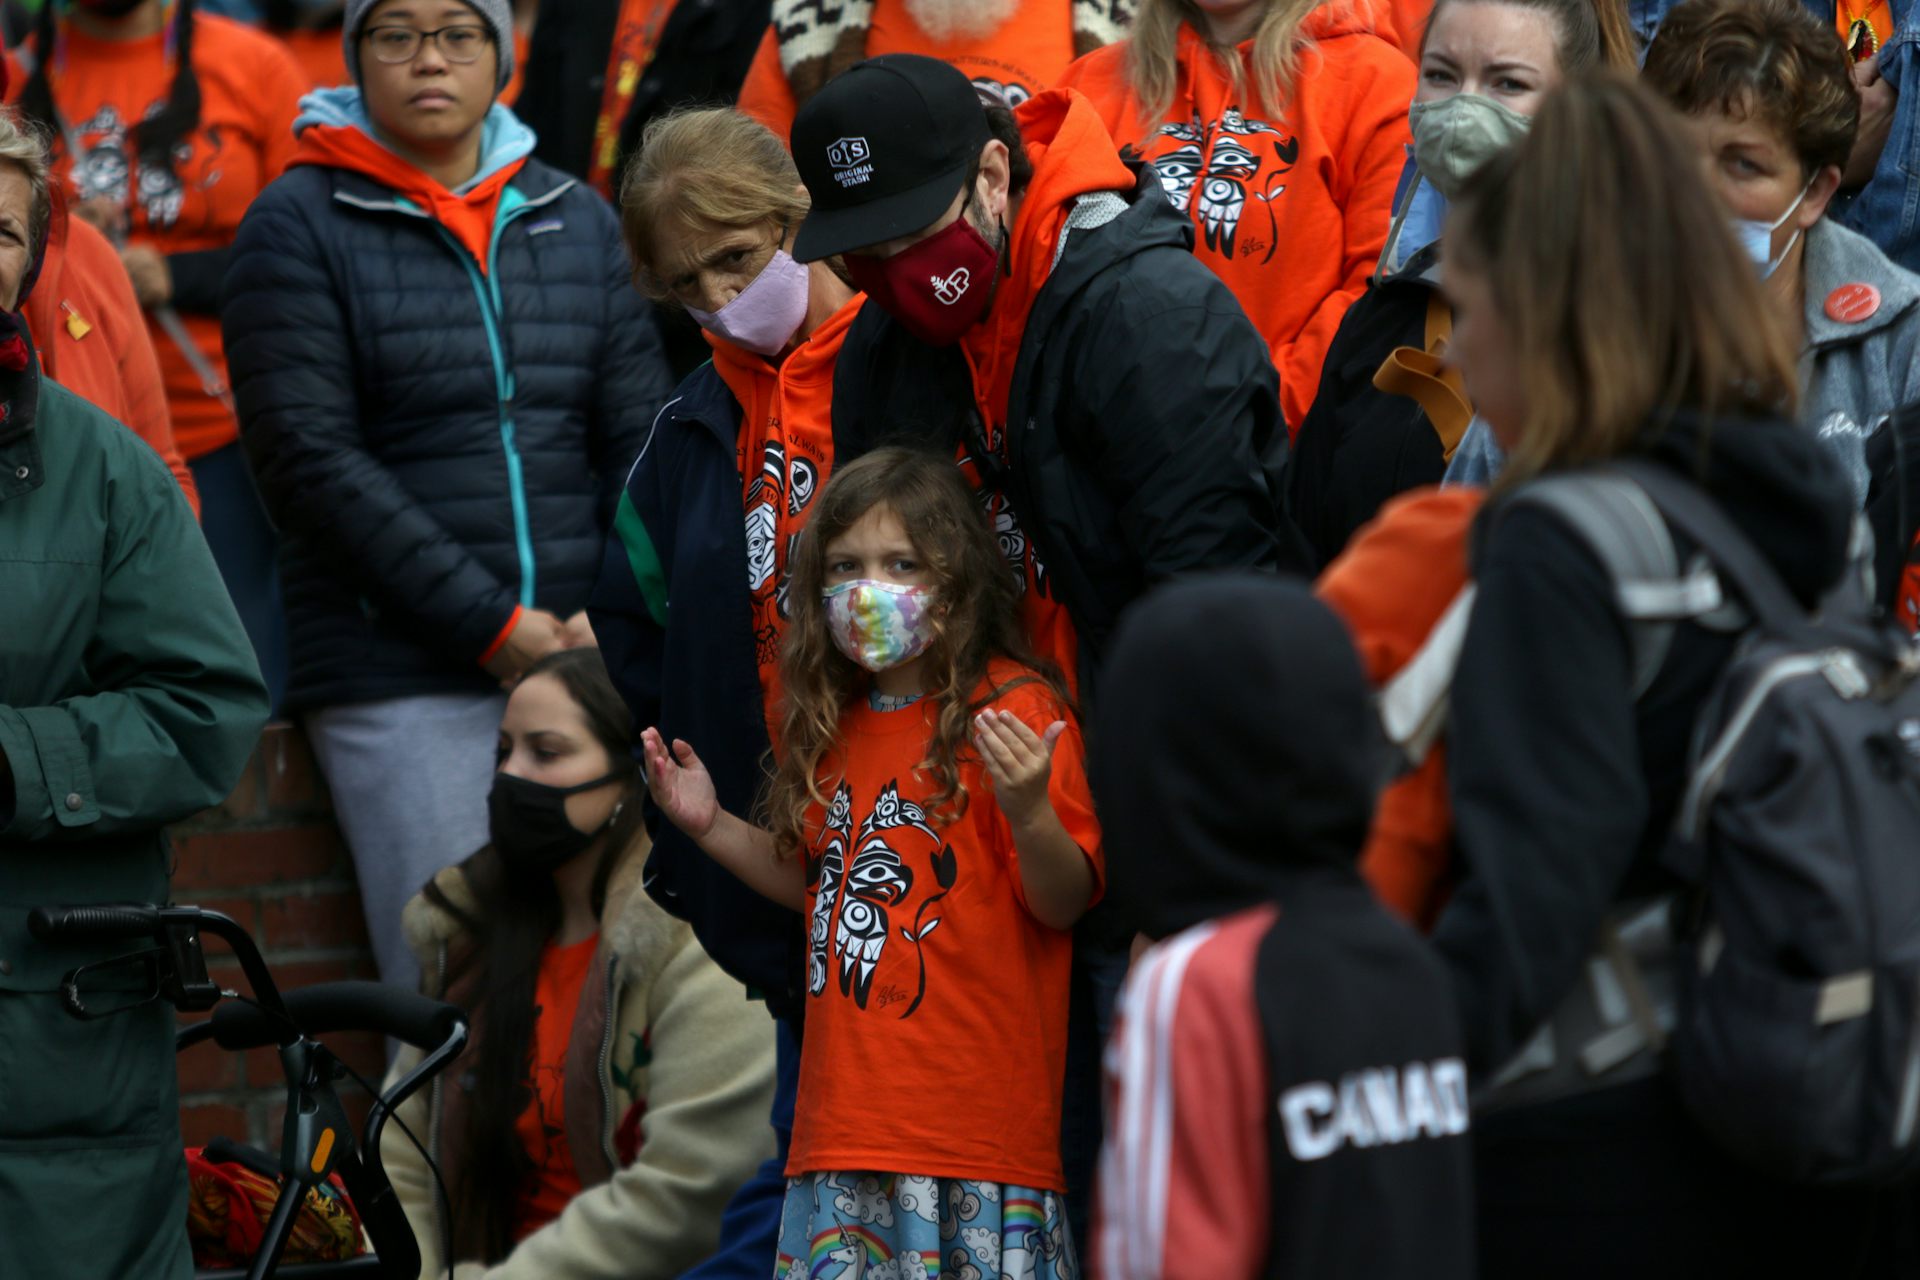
x,y
764,316
938,288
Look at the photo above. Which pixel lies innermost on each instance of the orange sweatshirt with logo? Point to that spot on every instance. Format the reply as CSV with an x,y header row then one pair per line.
x,y
1290,208
785,456
1024,56
250,88
92,339
1391,586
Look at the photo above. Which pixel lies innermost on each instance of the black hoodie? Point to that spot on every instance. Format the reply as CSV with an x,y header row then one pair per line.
x,y
1236,759
1235,741
1564,788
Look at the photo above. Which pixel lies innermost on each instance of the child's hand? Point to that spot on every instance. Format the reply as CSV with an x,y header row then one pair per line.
x,y
1020,763
680,785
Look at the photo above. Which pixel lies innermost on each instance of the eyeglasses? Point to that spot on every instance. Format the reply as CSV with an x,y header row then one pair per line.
x,y
394,45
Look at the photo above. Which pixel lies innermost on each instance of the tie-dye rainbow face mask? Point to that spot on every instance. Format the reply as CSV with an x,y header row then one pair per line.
x,y
879,624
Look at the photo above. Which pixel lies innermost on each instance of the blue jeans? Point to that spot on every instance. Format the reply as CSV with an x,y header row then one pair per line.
x,y
247,550
750,1228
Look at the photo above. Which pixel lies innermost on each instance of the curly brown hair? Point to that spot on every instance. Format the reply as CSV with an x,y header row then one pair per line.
x,y
975,622
1766,59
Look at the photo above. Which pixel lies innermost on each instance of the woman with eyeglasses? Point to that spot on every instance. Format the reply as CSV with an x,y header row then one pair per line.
x,y
443,374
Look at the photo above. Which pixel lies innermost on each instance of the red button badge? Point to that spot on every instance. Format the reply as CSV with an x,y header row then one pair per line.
x,y
1852,303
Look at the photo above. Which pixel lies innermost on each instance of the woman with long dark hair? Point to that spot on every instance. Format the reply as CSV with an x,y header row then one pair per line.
x,y
166,124
616,1092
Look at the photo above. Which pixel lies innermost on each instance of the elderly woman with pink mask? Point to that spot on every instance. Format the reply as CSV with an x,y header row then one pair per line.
x,y
712,509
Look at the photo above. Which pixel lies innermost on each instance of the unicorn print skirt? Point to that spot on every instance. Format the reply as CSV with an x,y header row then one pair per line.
x,y
882,1226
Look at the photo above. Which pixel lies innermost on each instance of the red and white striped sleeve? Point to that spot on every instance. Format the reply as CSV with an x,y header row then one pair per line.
x,y
1184,1176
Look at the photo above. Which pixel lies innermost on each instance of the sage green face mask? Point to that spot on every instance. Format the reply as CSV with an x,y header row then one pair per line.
x,y
1454,136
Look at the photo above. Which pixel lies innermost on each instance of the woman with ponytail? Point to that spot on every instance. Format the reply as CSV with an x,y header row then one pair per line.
x,y
165,125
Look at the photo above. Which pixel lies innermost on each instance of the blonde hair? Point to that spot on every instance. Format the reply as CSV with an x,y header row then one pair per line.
x,y
1617,280
1153,54
705,166
24,146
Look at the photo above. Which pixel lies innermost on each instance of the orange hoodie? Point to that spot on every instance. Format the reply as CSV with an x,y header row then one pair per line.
x,y
92,339
1072,155
250,88
469,216
1391,586
1290,210
1020,58
784,454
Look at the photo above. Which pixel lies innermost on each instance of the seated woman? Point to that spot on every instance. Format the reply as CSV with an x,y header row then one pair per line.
x,y
617,1088
1774,108
1387,415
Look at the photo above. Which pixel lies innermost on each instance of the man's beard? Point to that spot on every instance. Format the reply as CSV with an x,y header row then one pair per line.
x,y
961,19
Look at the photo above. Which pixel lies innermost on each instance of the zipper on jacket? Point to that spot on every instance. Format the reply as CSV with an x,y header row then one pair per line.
x,y
1713,766
1909,1113
605,1073
487,295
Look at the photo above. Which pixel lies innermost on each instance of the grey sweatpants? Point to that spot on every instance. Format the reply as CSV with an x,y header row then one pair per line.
x,y
409,778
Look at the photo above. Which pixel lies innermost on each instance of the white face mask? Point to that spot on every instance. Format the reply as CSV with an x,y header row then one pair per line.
x,y
1756,237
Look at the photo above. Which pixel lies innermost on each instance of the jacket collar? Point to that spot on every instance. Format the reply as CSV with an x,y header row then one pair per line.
x,y
702,399
1836,258
536,184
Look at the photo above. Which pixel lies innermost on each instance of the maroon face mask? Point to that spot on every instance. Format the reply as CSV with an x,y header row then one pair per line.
x,y
938,288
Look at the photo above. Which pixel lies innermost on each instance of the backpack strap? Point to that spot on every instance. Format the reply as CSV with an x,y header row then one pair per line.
x,y
1622,526
1694,513
1413,704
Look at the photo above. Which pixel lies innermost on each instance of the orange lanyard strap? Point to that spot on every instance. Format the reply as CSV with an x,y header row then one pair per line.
x,y
1423,377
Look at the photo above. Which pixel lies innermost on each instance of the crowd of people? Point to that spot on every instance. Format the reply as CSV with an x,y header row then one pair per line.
x,y
994,638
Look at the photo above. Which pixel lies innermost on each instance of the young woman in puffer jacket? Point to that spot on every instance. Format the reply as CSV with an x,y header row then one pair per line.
x,y
616,1091
443,375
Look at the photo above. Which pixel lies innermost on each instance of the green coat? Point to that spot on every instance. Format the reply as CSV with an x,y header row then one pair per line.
x,y
129,698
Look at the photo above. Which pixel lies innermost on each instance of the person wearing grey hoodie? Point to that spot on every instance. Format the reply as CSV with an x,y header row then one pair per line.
x,y
442,372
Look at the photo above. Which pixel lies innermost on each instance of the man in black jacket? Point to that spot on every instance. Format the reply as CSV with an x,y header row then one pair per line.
x,y
1037,300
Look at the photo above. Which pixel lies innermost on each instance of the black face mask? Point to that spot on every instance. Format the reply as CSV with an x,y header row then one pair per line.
x,y
528,822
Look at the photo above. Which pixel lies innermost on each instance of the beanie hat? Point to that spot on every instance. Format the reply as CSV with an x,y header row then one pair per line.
x,y
497,14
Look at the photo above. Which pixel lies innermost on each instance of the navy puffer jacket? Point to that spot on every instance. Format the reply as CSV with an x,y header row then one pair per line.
x,y
437,445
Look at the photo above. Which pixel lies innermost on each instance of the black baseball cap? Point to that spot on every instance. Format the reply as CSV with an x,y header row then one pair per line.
x,y
883,149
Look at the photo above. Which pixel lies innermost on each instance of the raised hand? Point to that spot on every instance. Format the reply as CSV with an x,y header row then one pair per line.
x,y
1019,761
680,785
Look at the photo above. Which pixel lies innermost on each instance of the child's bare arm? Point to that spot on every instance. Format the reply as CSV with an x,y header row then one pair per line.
x,y
1054,870
684,791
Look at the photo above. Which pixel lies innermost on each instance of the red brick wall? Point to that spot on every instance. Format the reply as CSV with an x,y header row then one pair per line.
x,y
271,858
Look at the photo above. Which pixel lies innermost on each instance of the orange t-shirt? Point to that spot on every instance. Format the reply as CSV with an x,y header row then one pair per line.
x,y
1289,209
1864,25
250,87
936,1004
542,1127
319,54
784,454
1021,58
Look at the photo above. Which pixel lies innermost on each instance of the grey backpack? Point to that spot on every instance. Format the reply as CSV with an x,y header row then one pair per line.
x,y
1796,1040
1781,992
